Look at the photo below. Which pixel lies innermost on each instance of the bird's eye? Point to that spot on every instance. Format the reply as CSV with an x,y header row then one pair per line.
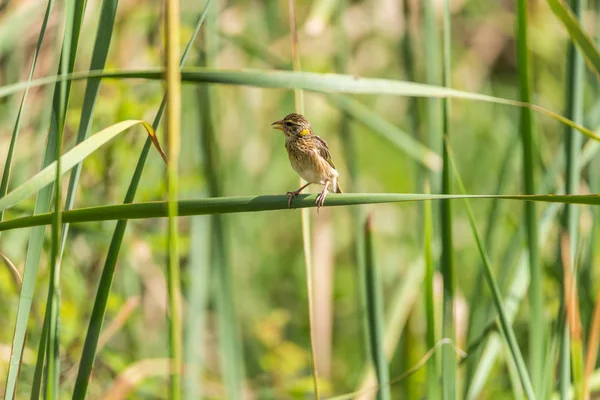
x,y
288,123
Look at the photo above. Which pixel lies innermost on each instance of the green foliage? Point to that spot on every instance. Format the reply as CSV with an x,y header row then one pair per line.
x,y
92,316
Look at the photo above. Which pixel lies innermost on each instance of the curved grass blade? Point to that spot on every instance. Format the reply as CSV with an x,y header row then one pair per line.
x,y
325,83
71,158
242,204
93,334
577,33
505,324
520,281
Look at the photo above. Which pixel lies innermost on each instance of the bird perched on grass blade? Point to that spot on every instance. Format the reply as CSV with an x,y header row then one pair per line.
x,y
309,156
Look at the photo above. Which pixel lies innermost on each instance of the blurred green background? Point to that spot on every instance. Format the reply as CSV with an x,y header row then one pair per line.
x,y
264,251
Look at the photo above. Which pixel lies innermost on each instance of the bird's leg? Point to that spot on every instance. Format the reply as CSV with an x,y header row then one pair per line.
x,y
295,193
321,197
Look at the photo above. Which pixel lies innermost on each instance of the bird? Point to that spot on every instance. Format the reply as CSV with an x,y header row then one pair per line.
x,y
309,156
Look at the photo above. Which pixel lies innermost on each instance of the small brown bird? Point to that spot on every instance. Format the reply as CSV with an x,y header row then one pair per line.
x,y
309,156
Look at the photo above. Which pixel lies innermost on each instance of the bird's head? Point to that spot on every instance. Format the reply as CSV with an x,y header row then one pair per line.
x,y
293,125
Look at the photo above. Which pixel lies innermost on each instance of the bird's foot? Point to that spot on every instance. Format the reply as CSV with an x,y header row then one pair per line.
x,y
291,196
321,199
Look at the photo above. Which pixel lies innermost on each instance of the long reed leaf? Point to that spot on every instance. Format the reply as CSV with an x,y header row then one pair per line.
x,y
228,205
104,286
374,313
70,159
74,17
447,256
536,320
506,328
574,103
325,83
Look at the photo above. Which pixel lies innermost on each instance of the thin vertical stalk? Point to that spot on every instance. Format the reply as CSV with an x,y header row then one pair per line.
x,y
299,106
374,294
95,326
446,262
536,320
434,141
173,126
433,390
53,342
574,103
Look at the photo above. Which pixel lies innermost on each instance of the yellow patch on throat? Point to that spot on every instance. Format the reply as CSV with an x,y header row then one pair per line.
x,y
303,132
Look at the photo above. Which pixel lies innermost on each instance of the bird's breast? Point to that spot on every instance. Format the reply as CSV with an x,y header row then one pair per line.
x,y
306,161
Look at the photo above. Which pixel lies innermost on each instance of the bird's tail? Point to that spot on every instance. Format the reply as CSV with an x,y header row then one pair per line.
x,y
338,189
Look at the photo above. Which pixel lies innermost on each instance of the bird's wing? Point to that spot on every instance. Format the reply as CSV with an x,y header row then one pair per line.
x,y
323,151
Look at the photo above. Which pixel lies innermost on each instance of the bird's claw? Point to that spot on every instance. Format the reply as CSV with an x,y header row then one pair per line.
x,y
290,196
320,200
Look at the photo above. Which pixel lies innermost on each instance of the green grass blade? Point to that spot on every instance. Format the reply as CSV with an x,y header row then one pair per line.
x,y
570,223
42,204
505,323
68,161
446,260
93,334
536,320
17,127
53,303
520,282
325,83
242,204
374,294
401,305
173,133
434,141
101,45
578,35
36,386
433,389
480,305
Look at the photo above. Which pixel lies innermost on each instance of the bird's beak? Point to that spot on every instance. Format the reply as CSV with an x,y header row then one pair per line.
x,y
277,125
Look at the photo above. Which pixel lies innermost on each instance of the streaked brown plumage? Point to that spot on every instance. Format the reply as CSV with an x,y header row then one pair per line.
x,y
309,156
